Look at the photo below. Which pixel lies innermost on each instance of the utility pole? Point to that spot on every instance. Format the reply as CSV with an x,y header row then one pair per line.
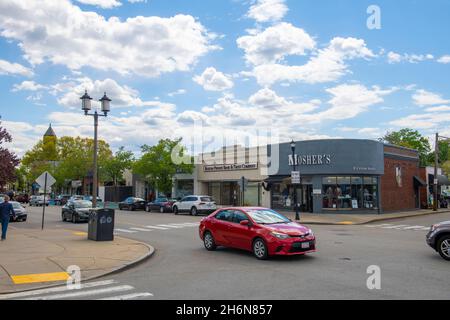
x,y
435,182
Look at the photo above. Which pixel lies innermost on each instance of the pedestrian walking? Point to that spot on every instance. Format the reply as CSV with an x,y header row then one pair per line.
x,y
6,209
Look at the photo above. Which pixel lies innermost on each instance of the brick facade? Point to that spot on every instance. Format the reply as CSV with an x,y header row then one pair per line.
x,y
400,194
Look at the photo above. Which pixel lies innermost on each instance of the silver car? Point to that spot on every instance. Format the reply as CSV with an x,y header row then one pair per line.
x,y
39,201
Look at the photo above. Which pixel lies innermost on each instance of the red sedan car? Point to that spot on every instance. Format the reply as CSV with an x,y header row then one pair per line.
x,y
260,230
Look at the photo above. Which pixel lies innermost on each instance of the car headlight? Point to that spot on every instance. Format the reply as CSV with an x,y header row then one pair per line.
x,y
279,235
311,233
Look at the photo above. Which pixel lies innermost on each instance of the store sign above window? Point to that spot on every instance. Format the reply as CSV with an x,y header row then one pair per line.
x,y
229,167
310,160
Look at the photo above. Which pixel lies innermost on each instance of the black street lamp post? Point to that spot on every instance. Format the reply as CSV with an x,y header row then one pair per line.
x,y
86,107
294,160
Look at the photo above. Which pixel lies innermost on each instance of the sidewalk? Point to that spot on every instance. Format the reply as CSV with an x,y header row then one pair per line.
x,y
31,259
355,219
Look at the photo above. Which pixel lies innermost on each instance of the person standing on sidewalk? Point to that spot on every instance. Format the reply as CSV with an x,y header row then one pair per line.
x,y
6,209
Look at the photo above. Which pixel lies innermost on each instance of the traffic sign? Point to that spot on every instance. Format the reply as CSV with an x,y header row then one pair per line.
x,y
45,179
295,176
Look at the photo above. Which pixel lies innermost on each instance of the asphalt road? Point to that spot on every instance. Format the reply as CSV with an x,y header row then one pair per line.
x,y
182,269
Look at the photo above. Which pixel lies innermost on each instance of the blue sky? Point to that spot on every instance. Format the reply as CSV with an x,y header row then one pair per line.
x,y
305,69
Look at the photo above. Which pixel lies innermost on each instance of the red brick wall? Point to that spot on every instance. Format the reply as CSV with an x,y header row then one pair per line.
x,y
394,197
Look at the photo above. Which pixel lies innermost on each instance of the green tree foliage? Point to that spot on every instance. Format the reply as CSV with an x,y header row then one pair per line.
x,y
157,165
73,159
410,138
112,168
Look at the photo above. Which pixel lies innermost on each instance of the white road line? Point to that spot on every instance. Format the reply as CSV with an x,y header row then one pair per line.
x,y
396,226
141,229
169,226
55,289
414,227
83,293
130,296
124,230
155,227
378,225
188,224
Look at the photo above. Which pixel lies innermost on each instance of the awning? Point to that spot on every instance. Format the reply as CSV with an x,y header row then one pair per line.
x,y
276,178
443,180
419,182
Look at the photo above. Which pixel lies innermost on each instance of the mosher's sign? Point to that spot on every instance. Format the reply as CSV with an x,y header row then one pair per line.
x,y
310,160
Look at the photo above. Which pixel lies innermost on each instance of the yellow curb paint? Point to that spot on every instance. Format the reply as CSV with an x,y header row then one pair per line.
x,y
39,277
346,222
80,233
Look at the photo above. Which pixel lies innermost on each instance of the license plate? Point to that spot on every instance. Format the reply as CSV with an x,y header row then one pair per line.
x,y
305,245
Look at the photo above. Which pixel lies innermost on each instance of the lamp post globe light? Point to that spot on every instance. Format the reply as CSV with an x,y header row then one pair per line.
x,y
105,108
297,215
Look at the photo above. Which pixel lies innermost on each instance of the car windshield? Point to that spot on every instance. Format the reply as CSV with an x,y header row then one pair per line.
x,y
16,205
82,204
266,216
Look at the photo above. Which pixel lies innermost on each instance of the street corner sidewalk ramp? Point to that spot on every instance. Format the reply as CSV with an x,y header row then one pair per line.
x,y
31,259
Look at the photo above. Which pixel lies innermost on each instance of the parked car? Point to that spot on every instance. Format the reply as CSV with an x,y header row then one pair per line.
x,y
132,203
19,211
89,198
195,205
262,231
38,201
160,204
76,211
439,239
62,199
23,198
76,197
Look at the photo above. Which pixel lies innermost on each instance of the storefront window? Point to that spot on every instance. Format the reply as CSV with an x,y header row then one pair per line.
x,y
252,194
214,190
184,188
350,193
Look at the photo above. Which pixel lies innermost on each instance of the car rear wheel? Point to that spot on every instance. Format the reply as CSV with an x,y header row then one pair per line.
x,y
208,241
444,247
175,210
260,249
194,211
63,217
74,218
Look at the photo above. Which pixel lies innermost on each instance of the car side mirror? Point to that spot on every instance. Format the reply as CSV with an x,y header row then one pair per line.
x,y
244,223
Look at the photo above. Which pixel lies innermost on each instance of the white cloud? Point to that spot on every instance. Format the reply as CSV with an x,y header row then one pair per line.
x,y
28,86
394,57
349,100
177,93
268,10
60,32
438,109
422,121
122,96
444,59
213,80
105,4
9,68
328,65
268,99
426,98
274,43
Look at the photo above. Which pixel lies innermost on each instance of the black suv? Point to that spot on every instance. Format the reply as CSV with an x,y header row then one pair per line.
x,y
439,239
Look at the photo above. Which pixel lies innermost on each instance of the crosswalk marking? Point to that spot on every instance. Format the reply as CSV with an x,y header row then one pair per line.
x,y
129,296
83,293
109,288
165,226
125,230
53,290
399,227
140,229
155,227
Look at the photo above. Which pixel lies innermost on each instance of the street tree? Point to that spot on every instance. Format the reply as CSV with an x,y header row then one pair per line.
x,y
8,160
158,168
112,168
410,138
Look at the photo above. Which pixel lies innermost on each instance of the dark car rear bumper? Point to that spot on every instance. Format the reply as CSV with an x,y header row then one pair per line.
x,y
18,217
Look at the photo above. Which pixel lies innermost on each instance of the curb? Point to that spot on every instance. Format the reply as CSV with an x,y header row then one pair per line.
x,y
373,220
113,271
